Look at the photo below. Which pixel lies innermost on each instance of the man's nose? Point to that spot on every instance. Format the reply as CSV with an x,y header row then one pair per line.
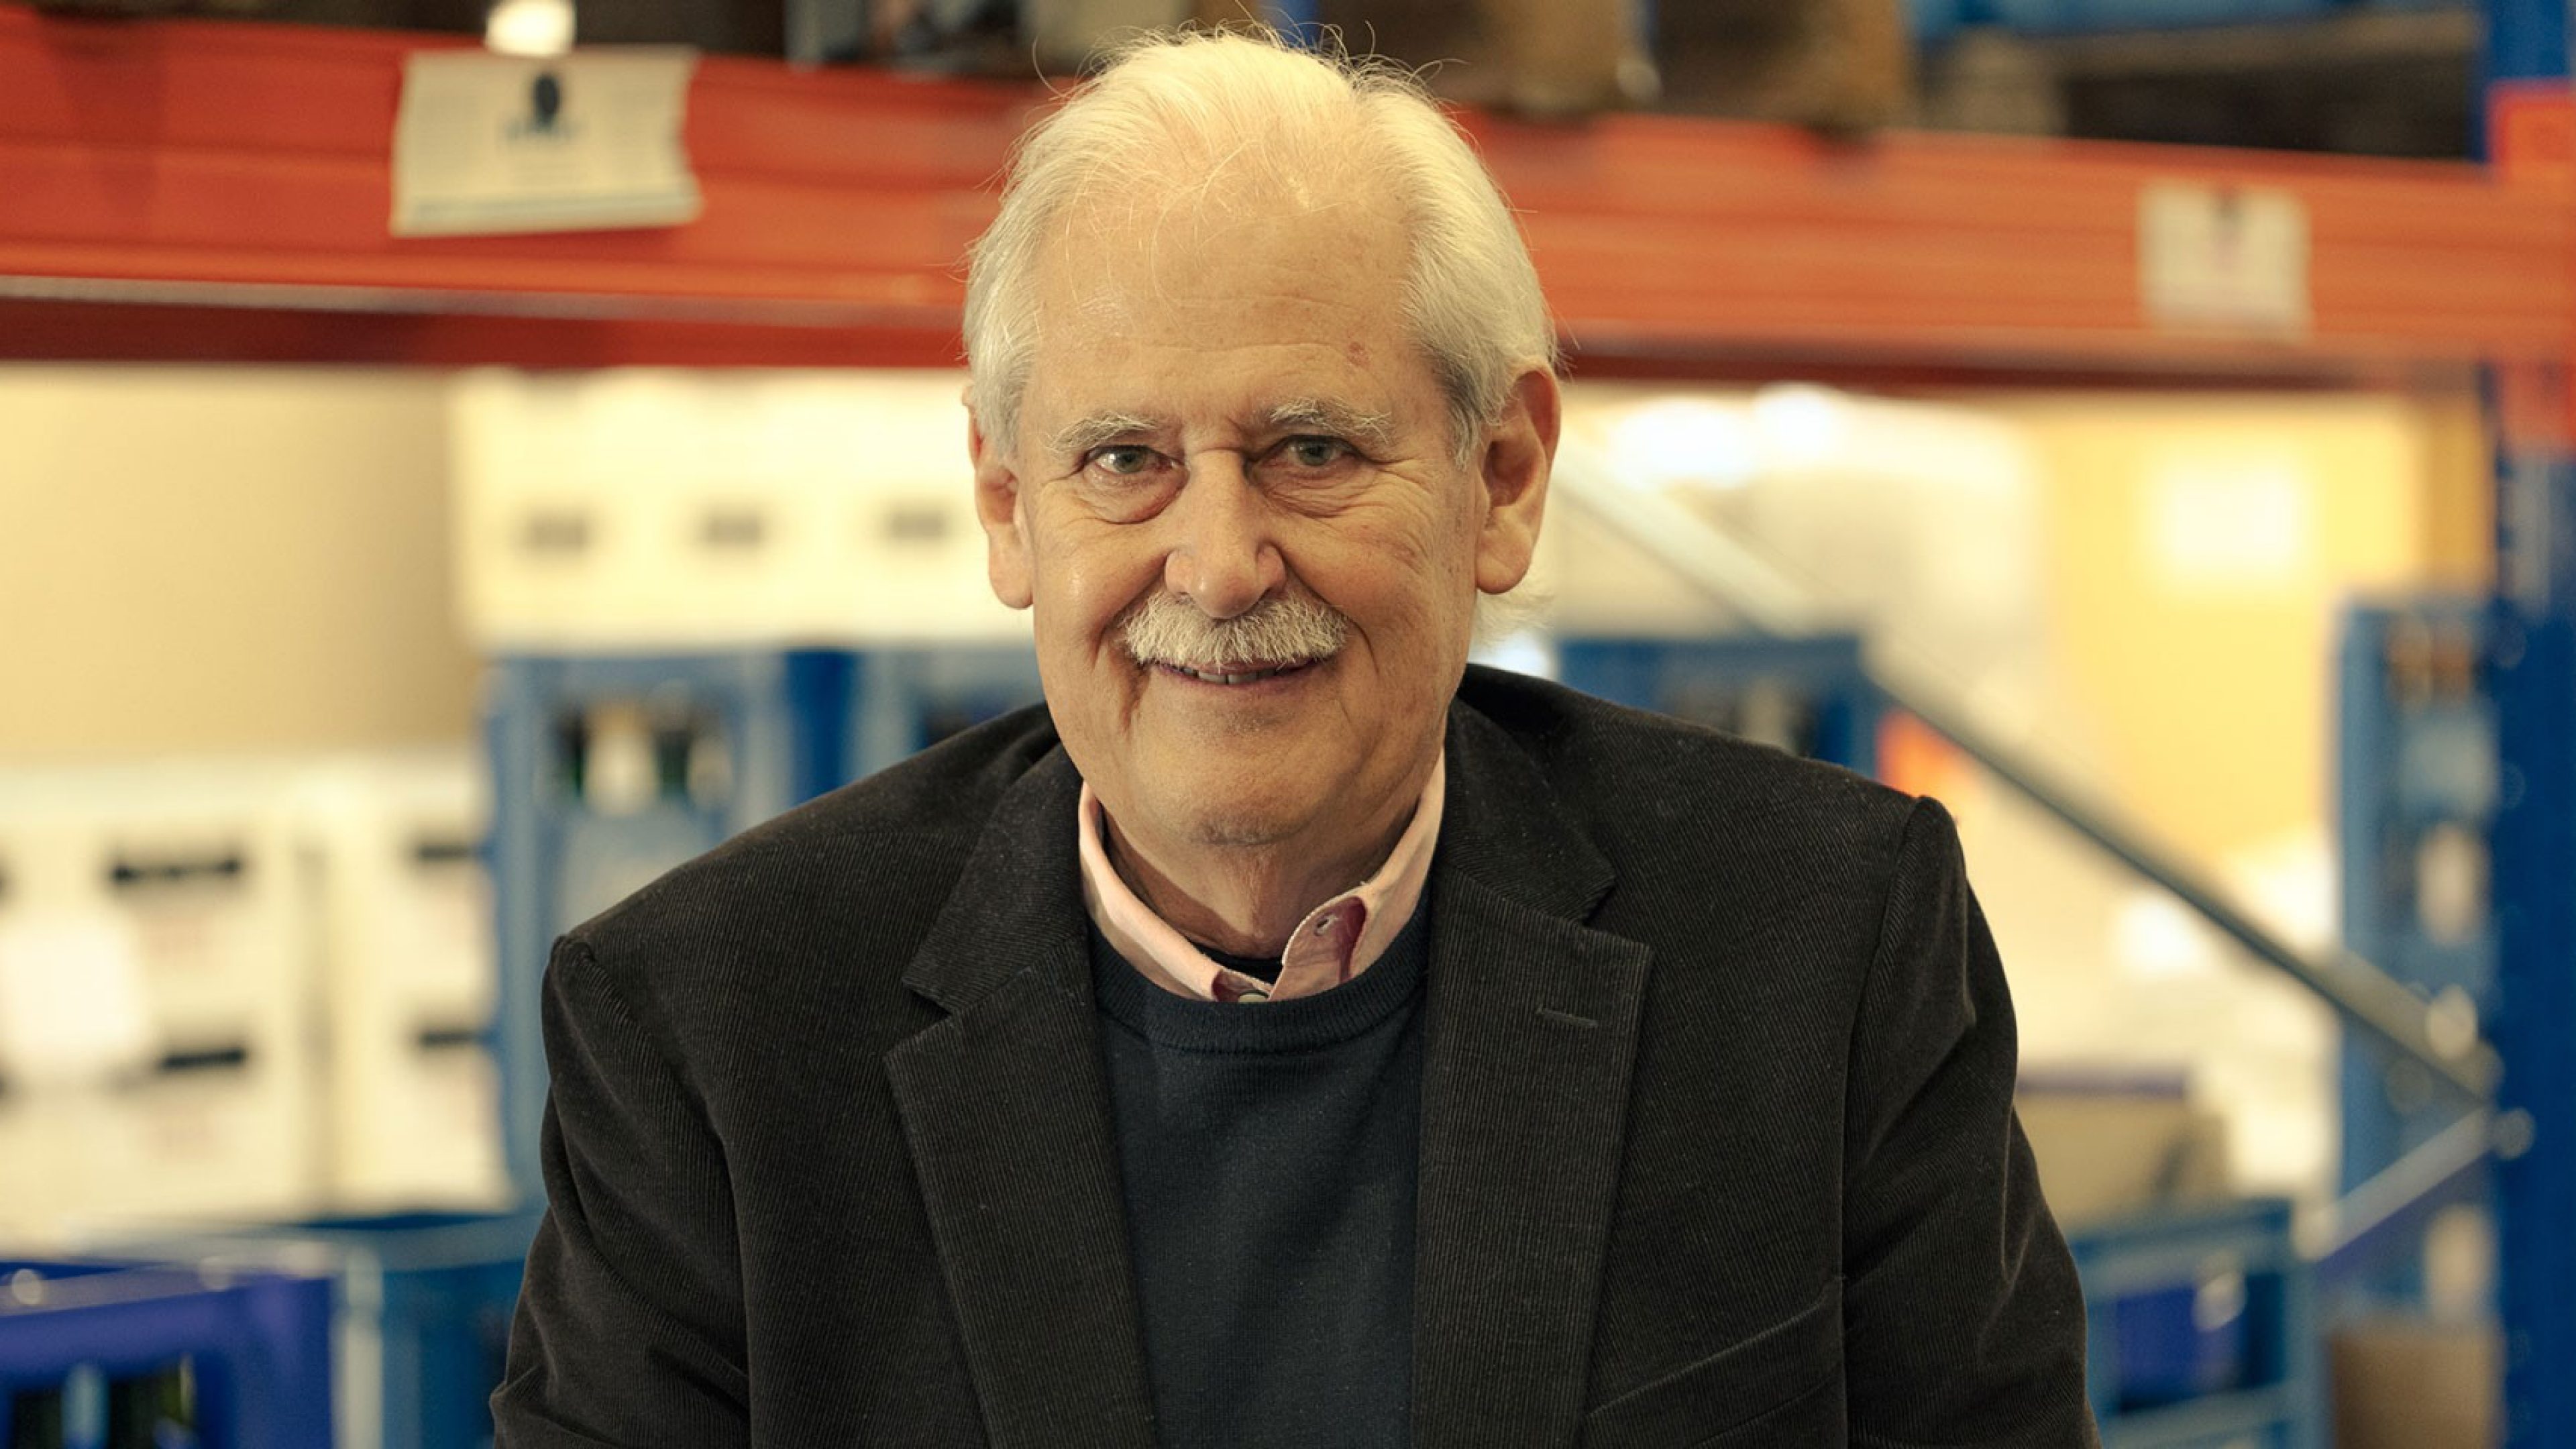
x,y
1222,557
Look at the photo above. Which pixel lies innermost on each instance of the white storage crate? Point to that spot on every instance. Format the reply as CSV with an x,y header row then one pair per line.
x,y
307,951
411,1100
194,879
652,509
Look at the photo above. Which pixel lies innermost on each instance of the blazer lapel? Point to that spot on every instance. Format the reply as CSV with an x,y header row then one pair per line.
x,y
1006,1108
1532,1038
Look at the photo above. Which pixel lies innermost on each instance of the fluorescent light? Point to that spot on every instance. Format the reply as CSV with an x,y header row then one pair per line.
x,y
1800,424
529,27
1684,442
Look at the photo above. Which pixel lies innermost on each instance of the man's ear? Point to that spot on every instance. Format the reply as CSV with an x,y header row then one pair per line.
x,y
1513,469
998,508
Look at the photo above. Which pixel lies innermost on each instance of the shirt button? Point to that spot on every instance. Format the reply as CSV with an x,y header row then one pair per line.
x,y
1254,996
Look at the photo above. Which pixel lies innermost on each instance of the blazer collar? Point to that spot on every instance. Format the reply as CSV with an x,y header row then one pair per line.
x,y
1532,1026
1532,1041
1005,1107
1017,905
1503,827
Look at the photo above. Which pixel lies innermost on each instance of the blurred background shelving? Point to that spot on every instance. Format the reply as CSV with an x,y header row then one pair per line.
x,y
435,591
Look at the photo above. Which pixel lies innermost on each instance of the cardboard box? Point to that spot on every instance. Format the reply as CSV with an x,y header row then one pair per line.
x,y
1537,57
1840,66
2402,1383
2106,1150
1065,35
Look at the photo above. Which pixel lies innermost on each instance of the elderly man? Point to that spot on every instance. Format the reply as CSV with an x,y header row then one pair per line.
x,y
1291,1036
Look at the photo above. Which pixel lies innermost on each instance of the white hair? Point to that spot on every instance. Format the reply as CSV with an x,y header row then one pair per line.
x,y
1185,109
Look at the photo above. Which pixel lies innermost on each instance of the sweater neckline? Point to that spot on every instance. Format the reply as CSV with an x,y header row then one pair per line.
x,y
1296,1024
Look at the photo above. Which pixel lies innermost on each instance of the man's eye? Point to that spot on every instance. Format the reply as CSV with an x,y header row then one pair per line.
x,y
1316,452
1125,460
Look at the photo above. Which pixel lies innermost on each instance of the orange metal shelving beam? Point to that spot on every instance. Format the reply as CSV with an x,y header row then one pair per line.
x,y
185,165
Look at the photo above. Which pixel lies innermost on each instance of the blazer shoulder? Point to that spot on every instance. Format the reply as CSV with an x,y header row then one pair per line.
x,y
1630,773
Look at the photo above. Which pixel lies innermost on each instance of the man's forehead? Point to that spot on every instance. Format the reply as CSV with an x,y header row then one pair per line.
x,y
1110,254
1256,318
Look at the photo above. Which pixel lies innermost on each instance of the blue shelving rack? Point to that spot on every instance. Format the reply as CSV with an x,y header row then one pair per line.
x,y
2530,666
902,700
239,1361
2416,793
734,738
1935,21
2530,671
1820,698
2076,16
725,755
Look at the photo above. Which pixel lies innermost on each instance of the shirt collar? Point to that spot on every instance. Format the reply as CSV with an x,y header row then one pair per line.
x,y
1336,941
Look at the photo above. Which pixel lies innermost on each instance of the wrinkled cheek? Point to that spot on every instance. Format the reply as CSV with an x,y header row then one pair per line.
x,y
1062,621
1105,573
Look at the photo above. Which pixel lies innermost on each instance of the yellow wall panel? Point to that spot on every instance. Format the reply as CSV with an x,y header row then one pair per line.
x,y
214,559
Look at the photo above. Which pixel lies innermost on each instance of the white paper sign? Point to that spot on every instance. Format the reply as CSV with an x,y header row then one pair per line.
x,y
490,144
2223,258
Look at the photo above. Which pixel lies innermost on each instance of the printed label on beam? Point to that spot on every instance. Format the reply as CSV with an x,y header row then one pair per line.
x,y
2218,258
489,144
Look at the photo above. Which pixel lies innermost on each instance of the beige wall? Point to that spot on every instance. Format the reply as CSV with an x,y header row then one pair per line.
x,y
2199,549
224,558
2459,495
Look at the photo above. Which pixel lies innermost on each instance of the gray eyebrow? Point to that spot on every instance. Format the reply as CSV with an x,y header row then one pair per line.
x,y
1084,434
1297,415
1338,419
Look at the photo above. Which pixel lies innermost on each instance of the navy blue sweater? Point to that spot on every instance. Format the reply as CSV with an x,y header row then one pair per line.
x,y
1269,1157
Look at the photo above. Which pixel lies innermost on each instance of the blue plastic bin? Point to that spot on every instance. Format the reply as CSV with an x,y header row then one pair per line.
x,y
236,1361
417,1307
2201,1329
2174,1348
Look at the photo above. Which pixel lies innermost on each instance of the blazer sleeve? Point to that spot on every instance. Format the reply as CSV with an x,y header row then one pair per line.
x,y
629,1325
1963,1320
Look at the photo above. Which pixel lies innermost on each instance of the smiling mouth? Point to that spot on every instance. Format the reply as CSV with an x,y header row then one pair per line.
x,y
1235,675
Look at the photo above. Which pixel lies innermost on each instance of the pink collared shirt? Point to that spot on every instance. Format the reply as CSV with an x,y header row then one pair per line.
x,y
1338,940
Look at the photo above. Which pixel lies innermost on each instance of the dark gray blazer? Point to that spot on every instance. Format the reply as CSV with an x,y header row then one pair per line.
x,y
1717,1138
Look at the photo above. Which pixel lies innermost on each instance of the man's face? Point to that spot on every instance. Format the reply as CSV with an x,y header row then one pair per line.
x,y
1223,415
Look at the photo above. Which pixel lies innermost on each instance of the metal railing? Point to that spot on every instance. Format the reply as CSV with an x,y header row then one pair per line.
x,y
2445,1041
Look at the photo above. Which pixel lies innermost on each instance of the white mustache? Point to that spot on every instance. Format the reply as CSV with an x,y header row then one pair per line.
x,y
1274,634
